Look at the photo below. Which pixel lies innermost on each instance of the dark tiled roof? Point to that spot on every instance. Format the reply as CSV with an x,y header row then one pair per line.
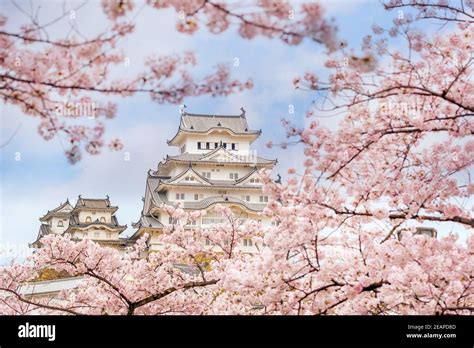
x,y
44,230
200,123
151,196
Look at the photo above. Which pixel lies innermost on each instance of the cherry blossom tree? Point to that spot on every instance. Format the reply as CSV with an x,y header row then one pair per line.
x,y
62,81
401,156
297,267
183,278
404,149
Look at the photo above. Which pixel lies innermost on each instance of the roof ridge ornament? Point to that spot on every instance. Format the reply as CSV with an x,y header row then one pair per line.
x,y
243,111
278,180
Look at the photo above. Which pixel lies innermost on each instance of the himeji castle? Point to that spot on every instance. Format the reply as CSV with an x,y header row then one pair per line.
x,y
215,165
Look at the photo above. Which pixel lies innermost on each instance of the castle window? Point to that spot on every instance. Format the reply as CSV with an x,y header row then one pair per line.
x,y
208,241
172,220
263,199
207,175
234,176
225,145
179,196
247,198
216,145
102,219
60,223
88,219
183,148
196,197
235,146
247,242
199,145
208,146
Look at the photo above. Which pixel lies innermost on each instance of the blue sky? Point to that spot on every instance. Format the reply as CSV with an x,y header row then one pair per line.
x,y
43,178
